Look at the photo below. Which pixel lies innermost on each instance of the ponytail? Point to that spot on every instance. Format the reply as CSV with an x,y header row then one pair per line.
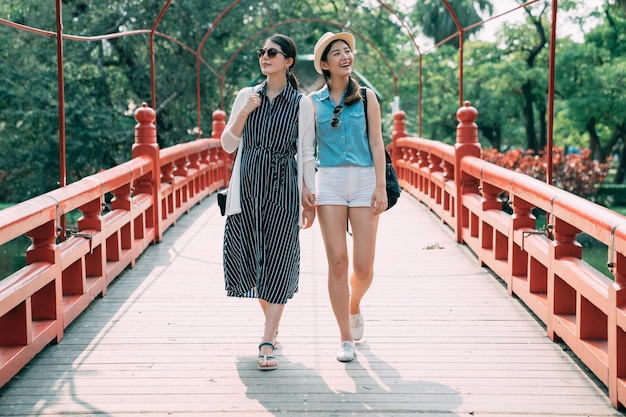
x,y
291,78
353,92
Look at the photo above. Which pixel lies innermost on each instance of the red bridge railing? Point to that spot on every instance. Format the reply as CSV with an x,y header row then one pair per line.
x,y
544,268
64,274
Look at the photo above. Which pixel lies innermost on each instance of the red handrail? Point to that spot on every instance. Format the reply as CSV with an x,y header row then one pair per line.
x,y
543,267
62,276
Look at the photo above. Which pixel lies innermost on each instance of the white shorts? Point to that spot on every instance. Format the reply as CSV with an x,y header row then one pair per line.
x,y
345,186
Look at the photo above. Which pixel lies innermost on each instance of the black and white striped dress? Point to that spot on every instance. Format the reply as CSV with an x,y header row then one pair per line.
x,y
261,244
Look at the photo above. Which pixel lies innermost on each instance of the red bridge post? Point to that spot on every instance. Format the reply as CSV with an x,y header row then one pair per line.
x,y
146,145
466,145
219,124
399,131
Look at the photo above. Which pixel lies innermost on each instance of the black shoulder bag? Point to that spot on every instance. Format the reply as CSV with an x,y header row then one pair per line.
x,y
393,187
221,200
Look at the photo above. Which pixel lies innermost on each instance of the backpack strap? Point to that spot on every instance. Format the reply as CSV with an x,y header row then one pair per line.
x,y
364,94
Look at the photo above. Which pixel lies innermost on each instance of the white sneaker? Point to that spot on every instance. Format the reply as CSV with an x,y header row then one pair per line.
x,y
356,326
346,352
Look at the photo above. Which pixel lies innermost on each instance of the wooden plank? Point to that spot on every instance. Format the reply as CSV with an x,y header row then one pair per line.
x,y
442,338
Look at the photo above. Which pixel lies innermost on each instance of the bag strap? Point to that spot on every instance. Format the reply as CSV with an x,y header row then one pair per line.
x,y
364,94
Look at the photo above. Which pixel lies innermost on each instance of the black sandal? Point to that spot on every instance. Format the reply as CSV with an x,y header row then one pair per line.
x,y
266,358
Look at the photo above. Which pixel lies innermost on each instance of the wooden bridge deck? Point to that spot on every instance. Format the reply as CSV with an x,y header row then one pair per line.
x,y
442,338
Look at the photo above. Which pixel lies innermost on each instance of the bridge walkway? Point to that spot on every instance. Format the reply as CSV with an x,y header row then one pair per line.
x,y
442,338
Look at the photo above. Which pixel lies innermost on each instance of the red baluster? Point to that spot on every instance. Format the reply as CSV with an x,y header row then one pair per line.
x,y
146,146
466,145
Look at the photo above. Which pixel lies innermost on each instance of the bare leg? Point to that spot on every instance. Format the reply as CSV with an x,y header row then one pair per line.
x,y
273,314
364,228
333,221
263,305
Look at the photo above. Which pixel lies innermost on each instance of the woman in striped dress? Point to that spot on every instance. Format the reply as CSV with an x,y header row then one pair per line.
x,y
272,129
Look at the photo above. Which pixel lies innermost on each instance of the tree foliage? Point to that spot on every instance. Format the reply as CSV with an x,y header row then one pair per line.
x,y
105,80
437,23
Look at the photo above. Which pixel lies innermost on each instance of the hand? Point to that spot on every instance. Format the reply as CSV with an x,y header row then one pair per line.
x,y
308,199
379,201
252,102
308,217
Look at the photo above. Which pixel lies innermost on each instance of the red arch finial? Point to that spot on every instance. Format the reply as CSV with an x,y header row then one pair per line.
x,y
466,130
145,114
219,123
466,113
145,130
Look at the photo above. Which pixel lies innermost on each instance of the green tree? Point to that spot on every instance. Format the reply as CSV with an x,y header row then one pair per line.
x,y
437,23
524,43
492,85
28,104
593,86
105,80
440,94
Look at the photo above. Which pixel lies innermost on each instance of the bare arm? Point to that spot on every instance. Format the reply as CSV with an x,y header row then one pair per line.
x,y
377,147
307,113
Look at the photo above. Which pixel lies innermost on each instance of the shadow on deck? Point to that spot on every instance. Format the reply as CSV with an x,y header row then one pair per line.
x,y
442,338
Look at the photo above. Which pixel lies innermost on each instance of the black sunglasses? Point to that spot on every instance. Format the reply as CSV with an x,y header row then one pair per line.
x,y
335,122
271,53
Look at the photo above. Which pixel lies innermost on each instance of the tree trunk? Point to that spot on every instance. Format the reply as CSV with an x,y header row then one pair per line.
x,y
527,87
594,140
529,117
621,167
493,135
619,134
543,128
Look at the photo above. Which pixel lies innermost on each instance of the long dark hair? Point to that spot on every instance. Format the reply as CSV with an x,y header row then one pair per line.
x,y
289,47
353,92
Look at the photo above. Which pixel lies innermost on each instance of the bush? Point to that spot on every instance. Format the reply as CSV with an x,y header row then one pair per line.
x,y
574,172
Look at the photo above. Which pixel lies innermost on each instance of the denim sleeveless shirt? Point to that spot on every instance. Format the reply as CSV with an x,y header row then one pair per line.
x,y
345,145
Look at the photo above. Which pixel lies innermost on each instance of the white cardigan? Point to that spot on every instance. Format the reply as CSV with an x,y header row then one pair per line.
x,y
305,155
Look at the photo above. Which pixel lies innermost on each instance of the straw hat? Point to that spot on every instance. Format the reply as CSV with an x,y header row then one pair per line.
x,y
326,40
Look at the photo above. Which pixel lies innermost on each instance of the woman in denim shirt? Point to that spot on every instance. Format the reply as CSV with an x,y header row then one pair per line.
x,y
350,182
